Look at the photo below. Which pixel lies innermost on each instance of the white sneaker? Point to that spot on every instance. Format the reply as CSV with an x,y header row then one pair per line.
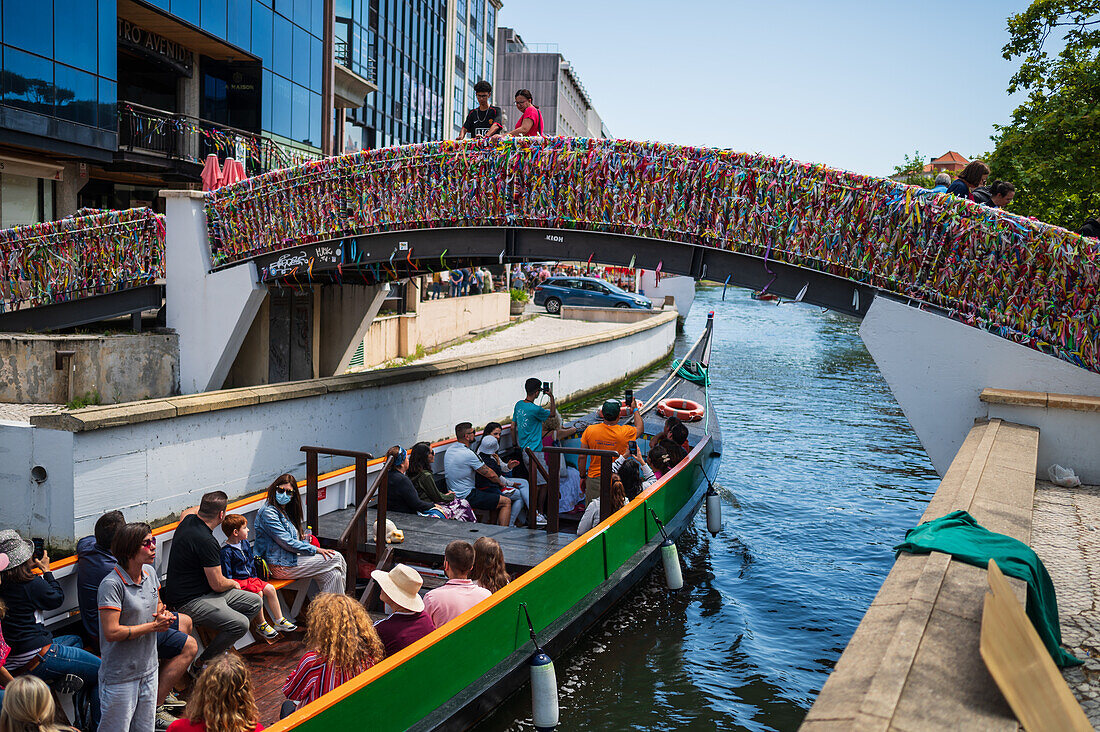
x,y
540,520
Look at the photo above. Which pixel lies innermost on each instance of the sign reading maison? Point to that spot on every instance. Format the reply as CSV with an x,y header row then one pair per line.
x,y
157,46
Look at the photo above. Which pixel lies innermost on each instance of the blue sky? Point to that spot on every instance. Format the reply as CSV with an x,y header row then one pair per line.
x,y
857,85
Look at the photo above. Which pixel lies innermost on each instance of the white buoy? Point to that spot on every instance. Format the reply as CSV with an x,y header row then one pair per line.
x,y
544,692
714,511
674,578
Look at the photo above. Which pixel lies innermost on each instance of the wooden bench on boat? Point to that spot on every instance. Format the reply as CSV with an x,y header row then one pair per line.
x,y
914,661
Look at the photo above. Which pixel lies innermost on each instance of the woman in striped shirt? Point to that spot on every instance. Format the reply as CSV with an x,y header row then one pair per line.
x,y
343,644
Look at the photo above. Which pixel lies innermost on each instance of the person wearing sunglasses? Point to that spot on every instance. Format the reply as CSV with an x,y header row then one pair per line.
x,y
283,545
530,120
130,617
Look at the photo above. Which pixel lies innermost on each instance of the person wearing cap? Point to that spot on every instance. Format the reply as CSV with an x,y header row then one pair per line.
x,y
460,593
33,649
408,622
607,435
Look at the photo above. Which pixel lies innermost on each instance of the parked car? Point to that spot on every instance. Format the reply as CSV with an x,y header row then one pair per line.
x,y
585,291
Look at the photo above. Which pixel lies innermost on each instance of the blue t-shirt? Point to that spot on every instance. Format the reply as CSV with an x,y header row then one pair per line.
x,y
528,418
459,465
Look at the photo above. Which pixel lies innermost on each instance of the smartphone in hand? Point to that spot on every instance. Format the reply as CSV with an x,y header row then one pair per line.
x,y
39,548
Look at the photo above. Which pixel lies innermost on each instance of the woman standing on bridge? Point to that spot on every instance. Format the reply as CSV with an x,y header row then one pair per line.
x,y
530,121
971,177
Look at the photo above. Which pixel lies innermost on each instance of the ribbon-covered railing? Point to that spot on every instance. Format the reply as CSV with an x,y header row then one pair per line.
x,y
77,257
1018,278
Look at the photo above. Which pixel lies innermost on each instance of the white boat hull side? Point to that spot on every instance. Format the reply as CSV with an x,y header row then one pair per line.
x,y
937,368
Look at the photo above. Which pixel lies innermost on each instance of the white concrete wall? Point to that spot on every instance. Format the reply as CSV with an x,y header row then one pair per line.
x,y
1067,438
681,288
937,368
36,509
153,469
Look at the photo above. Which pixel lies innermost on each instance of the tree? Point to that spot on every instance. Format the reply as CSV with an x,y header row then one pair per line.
x,y
1051,148
911,171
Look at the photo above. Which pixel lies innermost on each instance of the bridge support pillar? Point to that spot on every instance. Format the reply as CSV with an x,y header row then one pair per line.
x,y
211,311
937,368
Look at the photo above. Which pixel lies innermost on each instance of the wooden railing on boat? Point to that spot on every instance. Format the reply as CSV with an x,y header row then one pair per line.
x,y
607,457
552,488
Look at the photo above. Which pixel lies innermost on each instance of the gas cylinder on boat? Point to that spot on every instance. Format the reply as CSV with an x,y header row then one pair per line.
x,y
544,692
674,578
714,511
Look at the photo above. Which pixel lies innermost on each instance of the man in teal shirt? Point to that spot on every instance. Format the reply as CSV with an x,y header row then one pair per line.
x,y
528,417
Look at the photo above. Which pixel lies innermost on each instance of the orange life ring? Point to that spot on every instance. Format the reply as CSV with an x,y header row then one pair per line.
x,y
626,410
683,409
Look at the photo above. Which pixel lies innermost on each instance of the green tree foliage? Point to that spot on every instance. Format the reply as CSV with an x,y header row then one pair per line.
x,y
1051,148
911,171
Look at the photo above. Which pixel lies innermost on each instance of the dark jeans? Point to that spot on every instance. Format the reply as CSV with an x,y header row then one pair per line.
x,y
67,656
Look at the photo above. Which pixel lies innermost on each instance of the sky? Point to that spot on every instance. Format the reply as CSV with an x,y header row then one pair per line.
x,y
855,85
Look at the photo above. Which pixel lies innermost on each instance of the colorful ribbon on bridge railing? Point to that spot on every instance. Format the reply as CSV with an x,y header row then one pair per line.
x,y
1018,278
80,256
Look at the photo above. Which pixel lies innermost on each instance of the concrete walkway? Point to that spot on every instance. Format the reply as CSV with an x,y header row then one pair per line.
x,y
1066,536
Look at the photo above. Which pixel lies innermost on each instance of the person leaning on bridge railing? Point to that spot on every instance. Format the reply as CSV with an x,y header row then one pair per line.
x,y
530,122
997,194
484,120
972,176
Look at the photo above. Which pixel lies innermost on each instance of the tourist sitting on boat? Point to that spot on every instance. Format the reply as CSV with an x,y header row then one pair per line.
x,y
221,700
130,616
487,451
461,464
675,452
196,585
489,569
239,563
33,649
28,706
569,478
5,649
407,622
528,419
175,646
640,474
460,593
659,461
607,435
666,431
421,459
342,644
401,495
592,511
280,541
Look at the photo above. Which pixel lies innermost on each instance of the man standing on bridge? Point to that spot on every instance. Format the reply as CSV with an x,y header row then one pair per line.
x,y
483,120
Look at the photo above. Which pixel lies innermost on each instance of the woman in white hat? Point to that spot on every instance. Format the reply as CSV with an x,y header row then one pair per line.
x,y
408,622
33,649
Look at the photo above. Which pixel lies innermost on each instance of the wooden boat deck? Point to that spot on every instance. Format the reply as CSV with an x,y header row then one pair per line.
x,y
426,538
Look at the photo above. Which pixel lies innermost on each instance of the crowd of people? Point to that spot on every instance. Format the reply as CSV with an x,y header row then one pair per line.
x,y
138,641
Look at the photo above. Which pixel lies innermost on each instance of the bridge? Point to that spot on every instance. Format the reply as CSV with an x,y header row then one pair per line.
x,y
969,293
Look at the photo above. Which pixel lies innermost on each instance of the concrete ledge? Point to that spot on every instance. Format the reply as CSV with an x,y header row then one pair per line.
x,y
1041,399
913,662
93,418
606,315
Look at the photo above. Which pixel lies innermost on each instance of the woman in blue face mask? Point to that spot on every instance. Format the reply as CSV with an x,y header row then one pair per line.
x,y
286,548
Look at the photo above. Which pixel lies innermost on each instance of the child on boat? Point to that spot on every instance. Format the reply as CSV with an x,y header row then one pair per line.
x,y
239,563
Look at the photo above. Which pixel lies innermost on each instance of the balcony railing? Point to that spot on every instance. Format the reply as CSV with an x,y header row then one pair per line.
x,y
182,137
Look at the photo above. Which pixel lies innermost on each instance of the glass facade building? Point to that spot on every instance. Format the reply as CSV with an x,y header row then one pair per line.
x,y
472,46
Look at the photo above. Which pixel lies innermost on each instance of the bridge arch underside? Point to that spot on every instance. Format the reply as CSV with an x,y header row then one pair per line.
x,y
381,257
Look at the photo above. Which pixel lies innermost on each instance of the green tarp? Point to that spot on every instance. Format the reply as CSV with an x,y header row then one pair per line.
x,y
959,535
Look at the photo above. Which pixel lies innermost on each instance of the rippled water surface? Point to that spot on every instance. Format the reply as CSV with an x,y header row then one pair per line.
x,y
821,475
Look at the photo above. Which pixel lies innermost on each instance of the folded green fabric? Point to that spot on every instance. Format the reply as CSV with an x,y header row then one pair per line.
x,y
959,535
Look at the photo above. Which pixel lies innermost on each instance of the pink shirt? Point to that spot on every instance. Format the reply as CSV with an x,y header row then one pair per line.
x,y
446,603
536,120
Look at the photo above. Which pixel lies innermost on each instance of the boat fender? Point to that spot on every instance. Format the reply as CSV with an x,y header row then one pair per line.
x,y
714,511
674,578
683,409
544,692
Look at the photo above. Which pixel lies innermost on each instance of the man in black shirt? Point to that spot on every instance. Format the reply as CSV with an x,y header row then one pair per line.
x,y
196,585
483,120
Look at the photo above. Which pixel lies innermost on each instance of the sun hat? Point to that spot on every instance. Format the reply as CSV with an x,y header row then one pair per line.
x,y
402,585
14,548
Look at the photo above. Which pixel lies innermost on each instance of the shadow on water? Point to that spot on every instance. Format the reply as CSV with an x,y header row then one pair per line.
x,y
820,477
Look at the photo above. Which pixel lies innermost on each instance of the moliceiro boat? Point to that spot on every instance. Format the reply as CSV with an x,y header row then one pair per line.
x,y
457,674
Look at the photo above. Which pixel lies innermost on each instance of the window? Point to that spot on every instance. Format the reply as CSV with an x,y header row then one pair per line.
x,y
29,25
188,10
212,13
240,21
75,32
282,50
303,12
28,81
261,34
76,95
300,61
316,63
281,104
22,200
315,119
108,109
300,111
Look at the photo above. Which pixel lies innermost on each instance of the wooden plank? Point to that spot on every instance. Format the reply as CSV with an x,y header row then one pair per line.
x,y
1021,665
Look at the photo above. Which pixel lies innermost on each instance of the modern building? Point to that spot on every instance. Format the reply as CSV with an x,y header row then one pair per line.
x,y
558,92
471,51
403,45
105,102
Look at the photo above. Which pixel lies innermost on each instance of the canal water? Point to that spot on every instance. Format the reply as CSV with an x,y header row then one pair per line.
x,y
821,475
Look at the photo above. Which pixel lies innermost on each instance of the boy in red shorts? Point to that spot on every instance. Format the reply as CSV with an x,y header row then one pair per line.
x,y
238,563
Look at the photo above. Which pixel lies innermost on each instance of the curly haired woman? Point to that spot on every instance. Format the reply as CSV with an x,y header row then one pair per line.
x,y
343,644
222,699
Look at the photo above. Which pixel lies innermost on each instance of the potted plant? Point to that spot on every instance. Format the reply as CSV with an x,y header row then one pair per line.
x,y
519,301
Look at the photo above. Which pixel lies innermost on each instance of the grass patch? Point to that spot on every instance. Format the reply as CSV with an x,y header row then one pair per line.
x,y
88,399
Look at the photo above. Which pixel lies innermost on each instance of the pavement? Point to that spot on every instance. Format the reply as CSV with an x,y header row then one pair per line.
x,y
1065,533
24,412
